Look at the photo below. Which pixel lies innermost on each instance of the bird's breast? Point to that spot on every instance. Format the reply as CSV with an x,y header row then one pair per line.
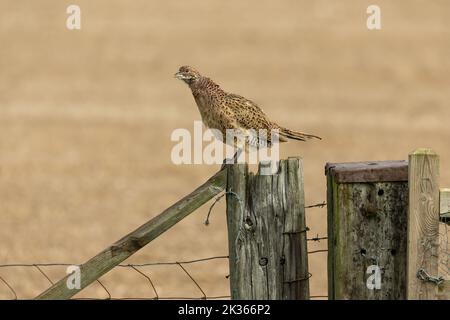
x,y
207,110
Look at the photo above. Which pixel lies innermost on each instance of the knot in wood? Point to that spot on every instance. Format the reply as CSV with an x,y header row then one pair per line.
x,y
263,261
131,244
248,224
368,208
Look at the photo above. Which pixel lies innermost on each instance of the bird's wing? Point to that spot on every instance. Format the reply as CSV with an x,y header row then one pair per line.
x,y
249,115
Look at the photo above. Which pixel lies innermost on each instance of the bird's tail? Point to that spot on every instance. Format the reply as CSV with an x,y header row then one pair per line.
x,y
296,135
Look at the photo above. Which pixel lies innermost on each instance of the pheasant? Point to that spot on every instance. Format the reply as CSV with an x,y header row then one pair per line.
x,y
221,110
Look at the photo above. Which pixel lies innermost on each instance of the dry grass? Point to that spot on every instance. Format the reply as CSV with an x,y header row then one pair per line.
x,y
85,117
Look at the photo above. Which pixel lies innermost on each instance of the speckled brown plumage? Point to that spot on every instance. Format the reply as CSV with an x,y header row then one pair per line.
x,y
221,110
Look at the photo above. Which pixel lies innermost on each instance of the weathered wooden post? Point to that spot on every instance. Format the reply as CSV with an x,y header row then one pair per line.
x,y
267,232
444,287
367,238
444,205
423,225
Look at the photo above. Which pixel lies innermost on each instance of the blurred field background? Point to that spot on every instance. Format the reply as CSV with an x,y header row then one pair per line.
x,y
86,117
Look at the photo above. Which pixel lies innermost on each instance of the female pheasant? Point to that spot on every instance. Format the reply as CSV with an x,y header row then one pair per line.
x,y
222,110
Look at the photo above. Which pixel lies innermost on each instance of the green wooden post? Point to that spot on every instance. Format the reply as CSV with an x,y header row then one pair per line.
x,y
367,219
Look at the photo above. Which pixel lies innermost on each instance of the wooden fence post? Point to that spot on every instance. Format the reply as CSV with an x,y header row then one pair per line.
x,y
423,224
444,205
367,218
267,232
444,287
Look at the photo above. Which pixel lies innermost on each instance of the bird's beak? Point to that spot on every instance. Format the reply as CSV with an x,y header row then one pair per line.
x,y
179,75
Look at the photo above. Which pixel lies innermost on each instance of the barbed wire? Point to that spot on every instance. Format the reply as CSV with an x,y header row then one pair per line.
x,y
317,205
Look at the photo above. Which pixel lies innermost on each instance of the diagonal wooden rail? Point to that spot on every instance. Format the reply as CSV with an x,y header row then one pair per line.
x,y
128,245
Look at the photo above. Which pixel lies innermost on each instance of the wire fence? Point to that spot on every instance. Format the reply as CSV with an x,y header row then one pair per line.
x,y
143,270
140,269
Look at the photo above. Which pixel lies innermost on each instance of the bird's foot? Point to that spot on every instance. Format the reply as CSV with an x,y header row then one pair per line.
x,y
227,161
231,160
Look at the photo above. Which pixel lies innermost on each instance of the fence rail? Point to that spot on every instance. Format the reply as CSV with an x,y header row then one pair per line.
x,y
128,245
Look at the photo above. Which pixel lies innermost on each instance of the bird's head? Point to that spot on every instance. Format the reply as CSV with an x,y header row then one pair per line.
x,y
188,74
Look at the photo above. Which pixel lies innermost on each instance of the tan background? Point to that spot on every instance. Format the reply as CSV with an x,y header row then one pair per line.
x,y
86,116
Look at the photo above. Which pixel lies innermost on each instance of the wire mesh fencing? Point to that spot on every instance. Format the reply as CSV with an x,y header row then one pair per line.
x,y
143,270
12,276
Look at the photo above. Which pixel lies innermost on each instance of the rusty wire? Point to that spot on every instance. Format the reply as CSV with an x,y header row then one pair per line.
x,y
317,205
149,280
193,280
317,238
11,289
